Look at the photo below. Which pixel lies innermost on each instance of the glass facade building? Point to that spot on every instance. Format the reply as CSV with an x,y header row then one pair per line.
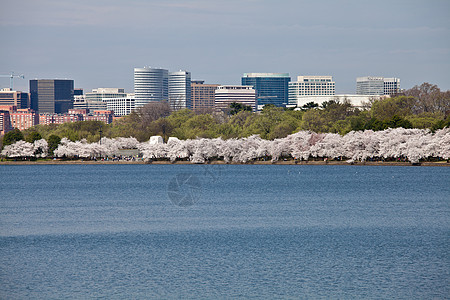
x,y
150,84
371,85
271,88
180,90
51,95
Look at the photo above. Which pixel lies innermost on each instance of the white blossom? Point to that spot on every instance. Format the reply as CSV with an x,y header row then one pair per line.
x,y
398,143
19,149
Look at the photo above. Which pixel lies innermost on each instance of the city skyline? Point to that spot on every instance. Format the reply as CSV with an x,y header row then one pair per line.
x,y
97,44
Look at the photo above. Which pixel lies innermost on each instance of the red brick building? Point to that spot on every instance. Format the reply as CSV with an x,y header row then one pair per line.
x,y
75,115
21,119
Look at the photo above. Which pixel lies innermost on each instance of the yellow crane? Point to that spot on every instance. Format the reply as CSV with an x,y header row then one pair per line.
x,y
11,79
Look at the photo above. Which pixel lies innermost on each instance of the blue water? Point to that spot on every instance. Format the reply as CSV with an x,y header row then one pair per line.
x,y
115,231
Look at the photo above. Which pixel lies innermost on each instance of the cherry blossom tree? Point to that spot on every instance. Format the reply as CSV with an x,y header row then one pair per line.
x,y
38,148
399,143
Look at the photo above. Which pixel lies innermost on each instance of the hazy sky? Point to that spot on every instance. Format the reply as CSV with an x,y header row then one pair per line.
x,y
99,42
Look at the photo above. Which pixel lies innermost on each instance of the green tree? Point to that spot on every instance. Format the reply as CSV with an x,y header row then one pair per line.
x,y
374,124
53,142
441,124
281,130
265,122
236,107
385,109
314,120
12,136
310,105
33,136
396,122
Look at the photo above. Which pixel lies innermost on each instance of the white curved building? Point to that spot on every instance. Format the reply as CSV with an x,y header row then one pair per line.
x,y
150,84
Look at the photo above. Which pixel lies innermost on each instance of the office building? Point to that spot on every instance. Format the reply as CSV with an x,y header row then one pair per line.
x,y
203,96
121,106
150,84
227,94
79,102
370,85
391,86
271,88
51,95
96,100
180,90
14,98
311,86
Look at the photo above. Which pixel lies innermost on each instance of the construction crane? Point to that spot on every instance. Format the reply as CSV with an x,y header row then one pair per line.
x,y
11,79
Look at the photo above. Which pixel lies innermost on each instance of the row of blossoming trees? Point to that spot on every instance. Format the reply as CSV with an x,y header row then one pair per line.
x,y
399,143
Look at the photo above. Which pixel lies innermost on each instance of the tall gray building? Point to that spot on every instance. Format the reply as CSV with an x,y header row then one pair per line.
x,y
180,90
150,84
378,86
51,95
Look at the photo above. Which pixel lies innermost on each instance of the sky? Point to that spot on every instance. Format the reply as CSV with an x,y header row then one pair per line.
x,y
98,43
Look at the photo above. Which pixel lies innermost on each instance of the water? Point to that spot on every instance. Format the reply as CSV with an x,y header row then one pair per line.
x,y
115,231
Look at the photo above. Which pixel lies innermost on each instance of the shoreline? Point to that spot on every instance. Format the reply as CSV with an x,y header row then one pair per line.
x,y
282,162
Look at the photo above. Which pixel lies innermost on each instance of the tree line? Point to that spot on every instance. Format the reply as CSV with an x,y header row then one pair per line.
x,y
422,107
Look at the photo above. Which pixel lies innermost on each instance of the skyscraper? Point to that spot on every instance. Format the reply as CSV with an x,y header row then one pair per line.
x,y
370,85
51,95
150,84
180,90
271,88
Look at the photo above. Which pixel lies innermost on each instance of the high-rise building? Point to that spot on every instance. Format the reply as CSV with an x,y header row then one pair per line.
x,y
150,84
310,86
96,100
121,106
370,85
51,95
180,90
271,88
203,96
227,94
15,98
